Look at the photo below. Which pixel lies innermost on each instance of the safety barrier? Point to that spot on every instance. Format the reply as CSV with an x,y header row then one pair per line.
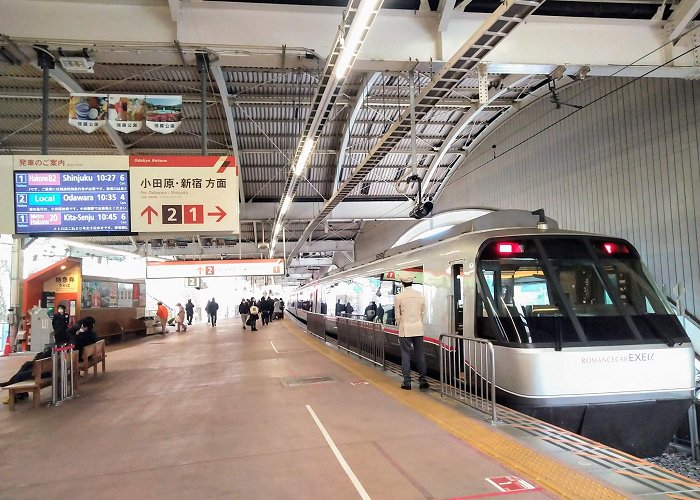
x,y
364,338
63,375
316,325
468,372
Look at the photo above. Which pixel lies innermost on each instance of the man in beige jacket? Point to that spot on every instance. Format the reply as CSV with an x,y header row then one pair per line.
x,y
409,306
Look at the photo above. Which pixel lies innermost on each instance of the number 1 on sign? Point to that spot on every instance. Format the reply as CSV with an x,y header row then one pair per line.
x,y
193,214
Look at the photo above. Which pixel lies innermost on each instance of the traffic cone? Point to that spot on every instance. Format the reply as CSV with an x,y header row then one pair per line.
x,y
8,347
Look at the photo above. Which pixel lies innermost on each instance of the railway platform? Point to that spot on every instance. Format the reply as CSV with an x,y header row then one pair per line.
x,y
229,413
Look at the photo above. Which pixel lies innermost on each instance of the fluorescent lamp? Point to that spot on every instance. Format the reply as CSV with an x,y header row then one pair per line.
x,y
304,156
359,24
77,64
96,248
285,206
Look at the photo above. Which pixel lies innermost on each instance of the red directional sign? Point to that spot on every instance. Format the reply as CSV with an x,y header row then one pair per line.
x,y
184,193
510,483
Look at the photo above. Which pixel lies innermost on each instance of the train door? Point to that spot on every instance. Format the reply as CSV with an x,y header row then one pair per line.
x,y
456,324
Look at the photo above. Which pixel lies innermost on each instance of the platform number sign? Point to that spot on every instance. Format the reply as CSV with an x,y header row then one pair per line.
x,y
194,282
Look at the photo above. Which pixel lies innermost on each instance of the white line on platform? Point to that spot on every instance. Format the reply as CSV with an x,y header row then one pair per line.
x,y
273,346
356,482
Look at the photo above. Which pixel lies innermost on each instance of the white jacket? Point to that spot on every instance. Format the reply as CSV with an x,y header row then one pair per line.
x,y
409,309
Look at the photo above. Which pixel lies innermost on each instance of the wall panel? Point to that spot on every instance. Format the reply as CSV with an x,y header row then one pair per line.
x,y
627,164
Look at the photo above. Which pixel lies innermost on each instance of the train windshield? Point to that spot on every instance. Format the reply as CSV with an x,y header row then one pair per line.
x,y
570,291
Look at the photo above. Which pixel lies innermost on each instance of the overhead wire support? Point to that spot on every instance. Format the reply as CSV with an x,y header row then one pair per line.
x,y
507,16
358,19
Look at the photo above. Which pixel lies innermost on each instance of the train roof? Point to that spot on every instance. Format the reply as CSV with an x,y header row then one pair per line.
x,y
500,219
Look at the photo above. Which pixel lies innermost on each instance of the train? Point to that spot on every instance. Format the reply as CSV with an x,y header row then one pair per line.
x,y
583,337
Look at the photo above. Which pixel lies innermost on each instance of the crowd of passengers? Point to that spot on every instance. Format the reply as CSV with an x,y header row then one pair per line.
x,y
265,309
373,312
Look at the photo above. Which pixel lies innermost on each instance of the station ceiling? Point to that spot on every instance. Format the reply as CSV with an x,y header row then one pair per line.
x,y
271,97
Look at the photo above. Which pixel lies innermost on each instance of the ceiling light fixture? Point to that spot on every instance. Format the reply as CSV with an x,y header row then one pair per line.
x,y
96,248
359,24
304,156
77,64
285,206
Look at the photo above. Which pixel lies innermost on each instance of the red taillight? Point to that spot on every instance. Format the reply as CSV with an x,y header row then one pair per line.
x,y
508,248
614,248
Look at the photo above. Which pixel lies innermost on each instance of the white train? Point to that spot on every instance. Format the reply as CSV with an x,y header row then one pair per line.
x,y
583,337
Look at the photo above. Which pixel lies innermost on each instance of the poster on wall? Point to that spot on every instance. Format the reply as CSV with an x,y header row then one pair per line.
x,y
99,294
163,112
126,112
126,295
88,112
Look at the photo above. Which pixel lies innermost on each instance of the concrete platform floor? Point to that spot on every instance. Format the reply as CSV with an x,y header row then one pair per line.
x,y
226,413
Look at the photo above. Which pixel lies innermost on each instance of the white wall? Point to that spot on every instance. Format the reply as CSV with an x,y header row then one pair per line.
x,y
628,165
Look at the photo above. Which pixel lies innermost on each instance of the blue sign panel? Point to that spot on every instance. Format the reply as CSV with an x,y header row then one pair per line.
x,y
71,202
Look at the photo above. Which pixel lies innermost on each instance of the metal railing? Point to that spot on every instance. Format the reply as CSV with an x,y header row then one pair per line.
x,y
468,372
316,325
364,338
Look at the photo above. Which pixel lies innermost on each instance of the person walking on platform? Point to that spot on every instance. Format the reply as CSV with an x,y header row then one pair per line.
x,y
349,310
189,309
180,318
254,310
162,314
277,309
410,310
213,309
380,314
244,310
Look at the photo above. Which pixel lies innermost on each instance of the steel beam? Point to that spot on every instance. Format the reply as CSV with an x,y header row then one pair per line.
x,y
218,75
507,17
468,117
362,95
682,15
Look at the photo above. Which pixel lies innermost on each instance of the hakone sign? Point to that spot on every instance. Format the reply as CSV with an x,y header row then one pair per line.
x,y
71,201
214,268
184,193
163,194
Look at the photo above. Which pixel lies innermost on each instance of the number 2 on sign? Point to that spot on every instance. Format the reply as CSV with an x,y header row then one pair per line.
x,y
193,214
172,214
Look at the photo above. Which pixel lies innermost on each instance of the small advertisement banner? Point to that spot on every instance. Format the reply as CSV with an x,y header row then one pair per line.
x,y
88,112
126,112
163,113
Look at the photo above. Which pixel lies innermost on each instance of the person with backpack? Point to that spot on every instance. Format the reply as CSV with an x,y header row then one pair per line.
x,y
254,311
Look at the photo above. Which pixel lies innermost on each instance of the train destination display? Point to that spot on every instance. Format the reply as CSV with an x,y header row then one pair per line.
x,y
71,202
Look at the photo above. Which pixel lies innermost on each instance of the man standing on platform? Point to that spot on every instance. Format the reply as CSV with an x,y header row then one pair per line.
x,y
244,310
189,309
410,309
213,309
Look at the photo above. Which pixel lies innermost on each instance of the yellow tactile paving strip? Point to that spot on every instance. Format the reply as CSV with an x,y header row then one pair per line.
x,y
545,472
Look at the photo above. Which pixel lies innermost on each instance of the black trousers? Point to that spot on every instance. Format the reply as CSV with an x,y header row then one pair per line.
x,y
189,318
213,319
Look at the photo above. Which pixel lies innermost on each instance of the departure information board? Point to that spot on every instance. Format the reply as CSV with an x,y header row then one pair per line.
x,y
71,201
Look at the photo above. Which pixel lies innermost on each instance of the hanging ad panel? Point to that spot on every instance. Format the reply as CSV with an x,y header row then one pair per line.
x,y
214,268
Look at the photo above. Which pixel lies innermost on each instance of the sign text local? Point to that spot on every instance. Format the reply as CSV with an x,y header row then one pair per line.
x,y
192,269
184,193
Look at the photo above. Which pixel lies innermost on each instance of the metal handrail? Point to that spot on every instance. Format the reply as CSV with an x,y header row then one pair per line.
x,y
316,325
363,338
468,372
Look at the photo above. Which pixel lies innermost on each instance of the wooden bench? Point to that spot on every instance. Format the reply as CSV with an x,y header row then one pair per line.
x,y
42,371
93,354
